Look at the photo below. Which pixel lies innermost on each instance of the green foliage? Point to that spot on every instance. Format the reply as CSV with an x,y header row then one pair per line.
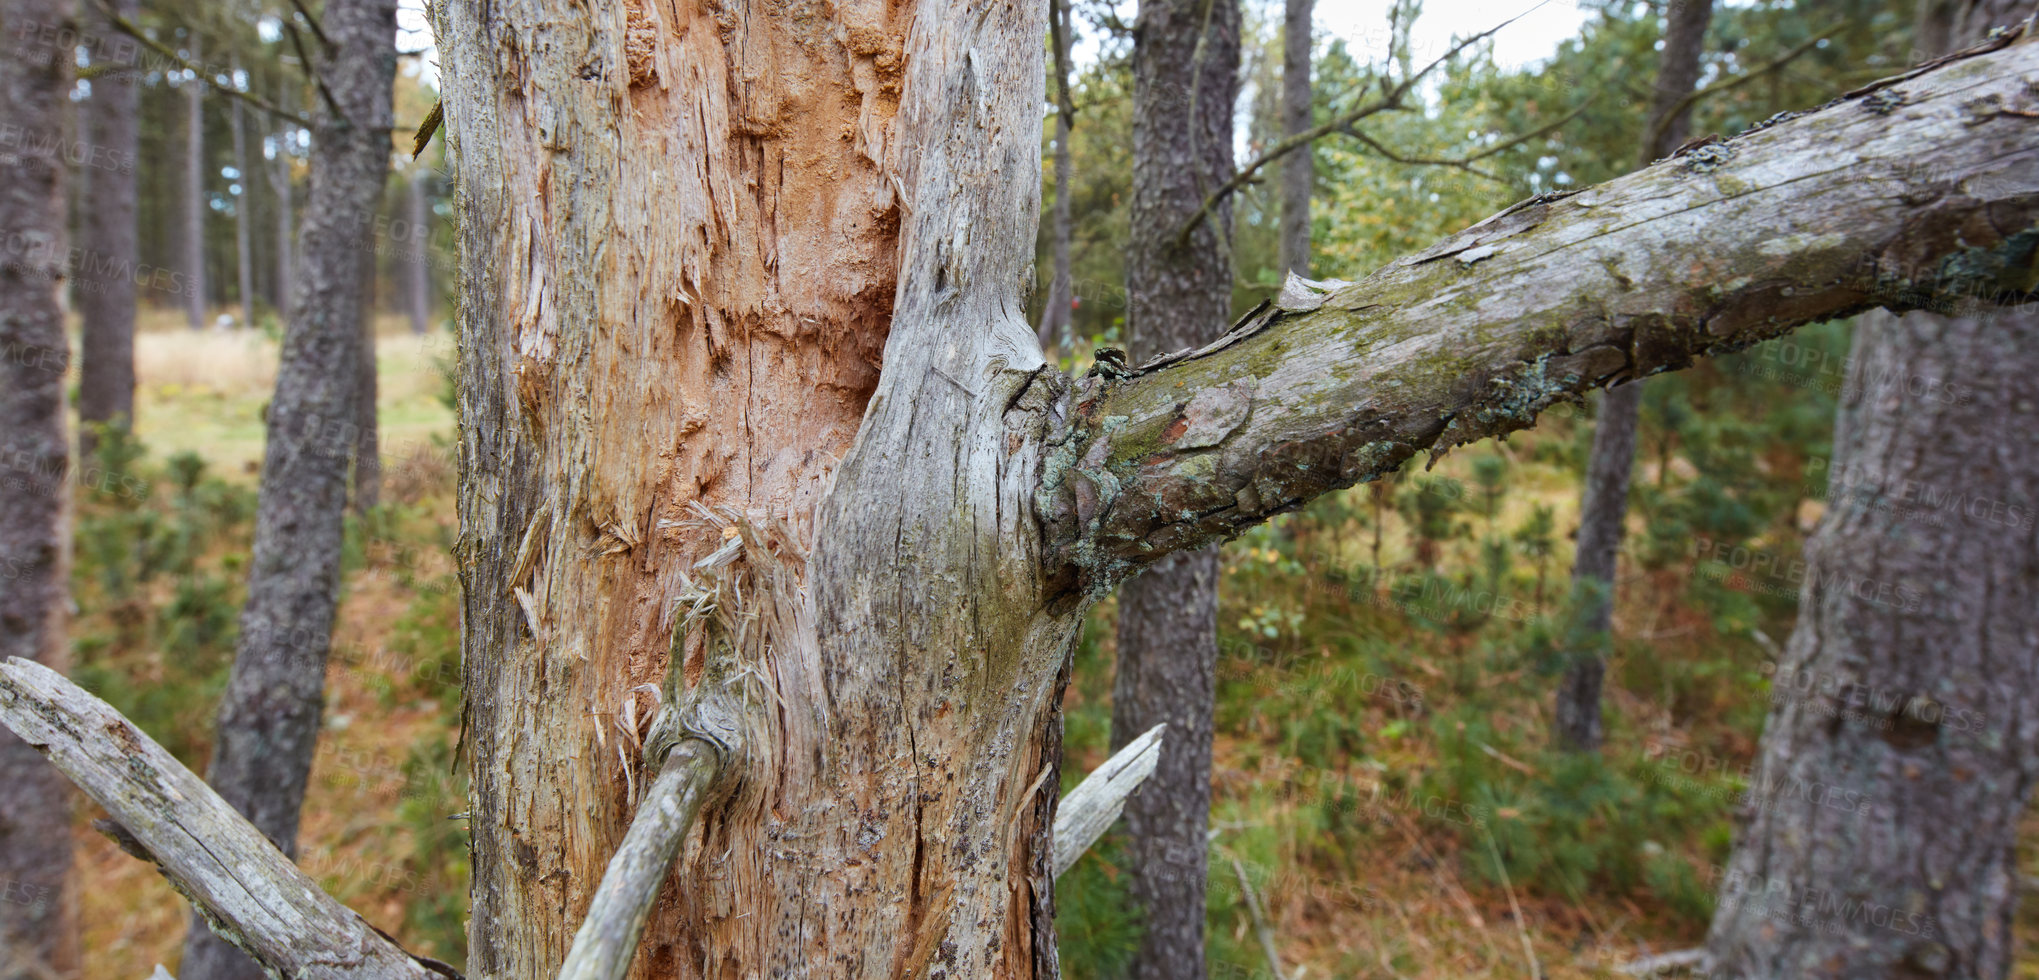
x,y
156,574
435,790
1097,923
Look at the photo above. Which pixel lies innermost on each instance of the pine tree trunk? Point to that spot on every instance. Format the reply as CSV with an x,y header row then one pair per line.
x,y
194,198
1056,315
1185,79
418,269
106,290
244,260
38,930
367,430
1903,700
269,717
1297,169
1604,508
286,267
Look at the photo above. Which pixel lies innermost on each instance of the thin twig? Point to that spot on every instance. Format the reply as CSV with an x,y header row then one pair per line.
x,y
1521,930
1465,163
1392,100
128,28
313,22
1693,97
332,104
1259,919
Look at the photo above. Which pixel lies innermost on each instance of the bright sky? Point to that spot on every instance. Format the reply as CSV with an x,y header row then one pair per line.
x,y
1364,26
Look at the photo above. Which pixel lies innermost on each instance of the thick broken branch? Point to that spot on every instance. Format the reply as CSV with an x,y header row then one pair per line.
x,y
1919,193
248,891
1094,805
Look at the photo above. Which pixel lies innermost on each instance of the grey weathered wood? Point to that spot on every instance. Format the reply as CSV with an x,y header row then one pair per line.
x,y
1815,217
247,890
1090,809
607,939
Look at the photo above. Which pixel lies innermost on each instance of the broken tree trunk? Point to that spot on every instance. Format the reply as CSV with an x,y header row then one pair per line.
x,y
686,236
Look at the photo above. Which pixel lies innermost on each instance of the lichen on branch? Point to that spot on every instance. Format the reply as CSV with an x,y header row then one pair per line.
x,y
1927,198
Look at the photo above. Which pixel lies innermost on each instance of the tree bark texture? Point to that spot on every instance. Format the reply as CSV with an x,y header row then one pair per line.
x,y
269,717
1179,294
1056,315
1298,175
194,196
38,932
1903,696
684,233
244,259
108,243
689,238
1603,510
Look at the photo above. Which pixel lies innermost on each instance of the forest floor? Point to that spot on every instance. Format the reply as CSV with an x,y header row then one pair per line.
x,y
1381,776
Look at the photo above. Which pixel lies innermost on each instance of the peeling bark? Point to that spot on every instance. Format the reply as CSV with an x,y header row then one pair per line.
x,y
38,932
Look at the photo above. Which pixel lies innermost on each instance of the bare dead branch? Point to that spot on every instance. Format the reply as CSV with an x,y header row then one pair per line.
x,y
1810,218
1095,804
247,890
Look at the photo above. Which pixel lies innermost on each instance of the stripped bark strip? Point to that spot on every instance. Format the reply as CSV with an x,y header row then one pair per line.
x,y
249,893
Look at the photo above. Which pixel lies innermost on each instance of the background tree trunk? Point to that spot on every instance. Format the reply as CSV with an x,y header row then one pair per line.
x,y
418,269
194,194
278,170
106,289
1185,83
367,430
269,717
1298,173
1056,316
244,259
1604,507
1905,693
38,933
